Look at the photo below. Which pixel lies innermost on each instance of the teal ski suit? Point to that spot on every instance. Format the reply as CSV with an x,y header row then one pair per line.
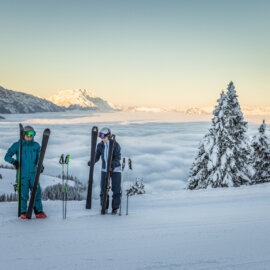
x,y
30,156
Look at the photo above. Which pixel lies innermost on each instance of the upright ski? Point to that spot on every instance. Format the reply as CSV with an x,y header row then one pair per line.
x,y
45,139
19,183
108,175
91,172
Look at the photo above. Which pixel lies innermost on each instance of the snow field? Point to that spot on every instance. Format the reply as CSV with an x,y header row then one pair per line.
x,y
208,229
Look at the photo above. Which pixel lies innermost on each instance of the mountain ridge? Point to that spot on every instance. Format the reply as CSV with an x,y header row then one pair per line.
x,y
18,102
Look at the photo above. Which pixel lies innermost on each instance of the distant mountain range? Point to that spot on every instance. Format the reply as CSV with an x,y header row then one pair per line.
x,y
82,99
18,102
247,110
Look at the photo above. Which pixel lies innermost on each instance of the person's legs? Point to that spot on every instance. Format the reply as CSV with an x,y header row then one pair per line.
x,y
116,189
102,185
38,203
24,194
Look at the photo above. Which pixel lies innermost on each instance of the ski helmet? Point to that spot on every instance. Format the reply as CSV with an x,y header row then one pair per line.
x,y
29,131
104,132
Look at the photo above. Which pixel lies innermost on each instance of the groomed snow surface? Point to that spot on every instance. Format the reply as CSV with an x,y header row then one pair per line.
x,y
167,228
206,229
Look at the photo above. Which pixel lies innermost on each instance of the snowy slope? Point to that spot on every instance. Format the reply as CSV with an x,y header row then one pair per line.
x,y
18,102
224,229
80,99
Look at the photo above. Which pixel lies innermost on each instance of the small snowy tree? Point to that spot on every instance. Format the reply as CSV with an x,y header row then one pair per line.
x,y
199,172
136,189
261,156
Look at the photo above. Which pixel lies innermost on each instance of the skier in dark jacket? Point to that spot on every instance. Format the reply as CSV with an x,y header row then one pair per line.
x,y
102,151
30,156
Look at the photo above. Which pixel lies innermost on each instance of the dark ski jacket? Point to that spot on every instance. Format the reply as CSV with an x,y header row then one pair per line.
x,y
116,158
30,156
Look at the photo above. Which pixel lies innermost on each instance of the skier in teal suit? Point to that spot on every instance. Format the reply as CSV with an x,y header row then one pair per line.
x,y
30,156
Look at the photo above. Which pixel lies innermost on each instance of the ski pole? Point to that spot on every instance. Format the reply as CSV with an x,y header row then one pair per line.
x,y
130,168
123,168
61,161
66,189
127,206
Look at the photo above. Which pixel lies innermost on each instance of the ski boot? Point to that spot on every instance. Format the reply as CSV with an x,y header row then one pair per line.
x,y
114,211
41,215
23,216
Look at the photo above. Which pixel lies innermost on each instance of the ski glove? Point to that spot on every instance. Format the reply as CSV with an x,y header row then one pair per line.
x,y
112,169
16,164
42,169
89,163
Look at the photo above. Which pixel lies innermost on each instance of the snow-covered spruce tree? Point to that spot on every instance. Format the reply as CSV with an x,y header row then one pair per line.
x,y
237,143
260,157
222,160
199,172
208,168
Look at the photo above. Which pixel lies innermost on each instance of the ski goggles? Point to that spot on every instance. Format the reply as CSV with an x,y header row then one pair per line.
x,y
101,135
30,133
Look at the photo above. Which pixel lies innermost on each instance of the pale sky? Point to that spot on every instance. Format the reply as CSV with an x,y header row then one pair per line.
x,y
143,52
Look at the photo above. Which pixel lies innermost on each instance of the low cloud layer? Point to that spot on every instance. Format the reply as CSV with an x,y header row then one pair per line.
x,y
162,153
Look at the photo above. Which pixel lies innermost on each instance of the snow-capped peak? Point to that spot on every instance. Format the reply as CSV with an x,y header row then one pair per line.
x,y
79,99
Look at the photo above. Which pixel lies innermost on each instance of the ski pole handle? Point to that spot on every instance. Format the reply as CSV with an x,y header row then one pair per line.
x,y
67,159
67,162
61,161
123,164
130,164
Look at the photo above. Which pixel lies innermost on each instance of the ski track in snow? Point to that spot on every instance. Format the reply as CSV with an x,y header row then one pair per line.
x,y
207,229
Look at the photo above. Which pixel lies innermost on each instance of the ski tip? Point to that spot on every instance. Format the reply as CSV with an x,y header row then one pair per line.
x,y
47,131
95,129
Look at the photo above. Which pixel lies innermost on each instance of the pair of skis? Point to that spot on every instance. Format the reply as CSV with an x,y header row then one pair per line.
x,y
108,176
45,139
64,161
91,172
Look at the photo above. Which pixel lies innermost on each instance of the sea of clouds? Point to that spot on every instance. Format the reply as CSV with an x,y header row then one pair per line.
x,y
162,152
